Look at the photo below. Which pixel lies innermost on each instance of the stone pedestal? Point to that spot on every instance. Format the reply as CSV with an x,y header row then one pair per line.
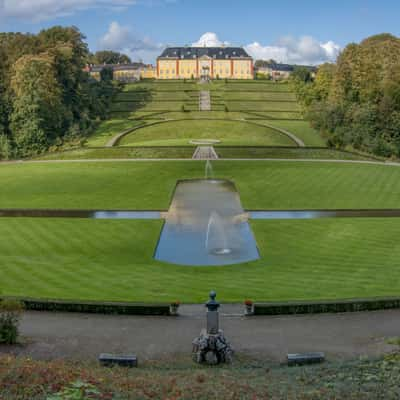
x,y
212,349
212,322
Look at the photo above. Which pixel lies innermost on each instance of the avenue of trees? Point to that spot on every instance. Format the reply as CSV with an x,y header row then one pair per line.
x,y
355,103
46,97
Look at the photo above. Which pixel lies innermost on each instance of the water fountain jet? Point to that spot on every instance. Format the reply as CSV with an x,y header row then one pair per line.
x,y
208,170
216,236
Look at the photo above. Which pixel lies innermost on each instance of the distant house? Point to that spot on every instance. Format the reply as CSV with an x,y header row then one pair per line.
x,y
204,62
123,72
277,71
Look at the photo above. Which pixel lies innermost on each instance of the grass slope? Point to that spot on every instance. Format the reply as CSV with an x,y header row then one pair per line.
x,y
301,129
112,260
175,133
121,152
149,185
109,128
252,100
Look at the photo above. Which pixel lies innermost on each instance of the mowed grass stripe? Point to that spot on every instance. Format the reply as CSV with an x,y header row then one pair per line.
x,y
112,260
150,185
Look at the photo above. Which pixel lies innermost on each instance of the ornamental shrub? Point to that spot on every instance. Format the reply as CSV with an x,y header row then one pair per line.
x,y
10,314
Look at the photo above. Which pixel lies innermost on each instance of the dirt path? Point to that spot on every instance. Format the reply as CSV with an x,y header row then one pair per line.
x,y
84,336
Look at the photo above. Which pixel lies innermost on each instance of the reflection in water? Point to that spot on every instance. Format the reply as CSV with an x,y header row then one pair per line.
x,y
127,215
172,213
95,214
205,226
315,214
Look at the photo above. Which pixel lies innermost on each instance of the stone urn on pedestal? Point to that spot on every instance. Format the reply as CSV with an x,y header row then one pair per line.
x,y
173,307
211,347
248,307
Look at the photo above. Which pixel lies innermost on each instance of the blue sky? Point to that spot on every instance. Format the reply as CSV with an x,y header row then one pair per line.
x,y
308,31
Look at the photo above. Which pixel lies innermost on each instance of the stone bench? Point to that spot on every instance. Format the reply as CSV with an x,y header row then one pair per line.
x,y
109,360
305,358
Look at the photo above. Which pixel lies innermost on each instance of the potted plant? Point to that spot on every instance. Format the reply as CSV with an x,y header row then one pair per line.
x,y
174,307
248,304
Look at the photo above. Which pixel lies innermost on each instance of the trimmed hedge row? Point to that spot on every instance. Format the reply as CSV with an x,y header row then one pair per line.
x,y
339,306
93,307
259,100
306,149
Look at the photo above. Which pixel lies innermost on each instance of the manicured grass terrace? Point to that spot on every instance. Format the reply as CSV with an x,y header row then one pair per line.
x,y
175,133
253,100
149,185
112,260
148,152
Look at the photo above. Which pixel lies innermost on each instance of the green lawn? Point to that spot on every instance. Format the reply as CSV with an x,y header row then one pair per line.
x,y
113,260
263,105
108,129
287,153
255,95
175,133
149,185
86,153
301,129
124,152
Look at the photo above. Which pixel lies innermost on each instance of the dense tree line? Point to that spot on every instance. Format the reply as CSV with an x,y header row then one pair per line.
x,y
46,97
109,57
356,102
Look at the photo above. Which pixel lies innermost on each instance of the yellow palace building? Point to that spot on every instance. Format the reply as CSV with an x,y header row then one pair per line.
x,y
204,62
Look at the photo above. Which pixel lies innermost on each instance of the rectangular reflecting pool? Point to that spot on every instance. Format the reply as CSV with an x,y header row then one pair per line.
x,y
206,225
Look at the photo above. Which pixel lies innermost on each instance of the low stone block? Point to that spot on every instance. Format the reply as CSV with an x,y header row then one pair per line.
x,y
305,358
109,360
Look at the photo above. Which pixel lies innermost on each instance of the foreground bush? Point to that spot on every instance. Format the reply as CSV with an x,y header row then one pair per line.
x,y
22,379
10,313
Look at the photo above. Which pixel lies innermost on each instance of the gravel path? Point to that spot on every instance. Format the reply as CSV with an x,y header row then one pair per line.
x,y
85,336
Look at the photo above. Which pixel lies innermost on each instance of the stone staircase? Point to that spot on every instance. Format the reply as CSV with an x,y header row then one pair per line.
x,y
204,100
205,153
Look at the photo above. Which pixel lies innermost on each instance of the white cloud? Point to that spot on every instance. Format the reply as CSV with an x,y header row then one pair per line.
x,y
122,38
116,38
39,10
209,39
304,50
